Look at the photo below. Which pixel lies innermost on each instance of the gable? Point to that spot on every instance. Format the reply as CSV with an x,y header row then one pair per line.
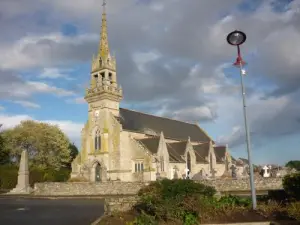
x,y
176,150
201,152
154,125
220,152
150,143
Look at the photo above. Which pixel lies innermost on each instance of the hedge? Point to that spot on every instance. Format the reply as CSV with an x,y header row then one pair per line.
x,y
291,184
9,176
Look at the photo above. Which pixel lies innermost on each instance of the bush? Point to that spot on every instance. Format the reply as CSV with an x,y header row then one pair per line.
x,y
231,201
9,176
270,208
38,175
294,210
291,184
178,200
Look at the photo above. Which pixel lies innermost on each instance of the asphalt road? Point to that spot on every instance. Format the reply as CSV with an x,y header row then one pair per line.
x,y
22,211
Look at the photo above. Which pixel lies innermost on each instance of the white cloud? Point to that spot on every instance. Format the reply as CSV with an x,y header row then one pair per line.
x,y
2,108
41,87
8,121
71,129
35,51
27,89
55,73
157,6
141,59
195,114
78,100
271,118
27,104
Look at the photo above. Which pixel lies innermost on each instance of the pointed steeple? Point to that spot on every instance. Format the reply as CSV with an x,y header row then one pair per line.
x,y
103,51
103,58
161,139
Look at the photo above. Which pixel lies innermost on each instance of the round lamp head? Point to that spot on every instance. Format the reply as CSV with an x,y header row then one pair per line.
x,y
236,37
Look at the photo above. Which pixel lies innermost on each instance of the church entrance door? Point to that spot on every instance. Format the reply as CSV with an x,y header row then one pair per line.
x,y
98,173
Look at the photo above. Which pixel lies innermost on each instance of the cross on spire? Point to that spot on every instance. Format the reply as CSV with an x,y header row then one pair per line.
x,y
103,47
104,5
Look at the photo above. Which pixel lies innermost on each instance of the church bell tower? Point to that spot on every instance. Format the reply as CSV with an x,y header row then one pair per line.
x,y
104,92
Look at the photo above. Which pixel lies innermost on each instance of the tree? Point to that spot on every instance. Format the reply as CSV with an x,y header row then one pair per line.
x,y
73,153
47,145
294,164
4,154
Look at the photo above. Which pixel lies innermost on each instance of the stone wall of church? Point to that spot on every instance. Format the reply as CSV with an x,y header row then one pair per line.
x,y
132,188
131,153
196,168
220,168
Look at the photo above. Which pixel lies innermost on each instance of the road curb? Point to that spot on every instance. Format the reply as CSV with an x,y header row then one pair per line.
x,y
50,197
97,221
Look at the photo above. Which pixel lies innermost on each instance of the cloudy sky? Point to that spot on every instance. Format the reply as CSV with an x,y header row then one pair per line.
x,y
172,59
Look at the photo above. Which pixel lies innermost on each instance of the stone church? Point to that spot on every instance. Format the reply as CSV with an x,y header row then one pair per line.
x,y
125,145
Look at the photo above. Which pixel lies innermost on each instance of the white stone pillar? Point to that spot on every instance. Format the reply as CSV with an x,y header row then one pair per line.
x,y
23,186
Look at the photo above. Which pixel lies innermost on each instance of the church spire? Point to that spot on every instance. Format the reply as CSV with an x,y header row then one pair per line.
x,y
103,45
103,59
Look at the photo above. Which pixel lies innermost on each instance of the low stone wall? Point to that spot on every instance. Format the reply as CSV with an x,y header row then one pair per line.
x,y
87,189
125,203
261,184
132,188
119,204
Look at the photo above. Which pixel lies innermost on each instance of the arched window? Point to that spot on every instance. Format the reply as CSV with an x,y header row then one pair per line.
x,y
100,61
189,161
97,140
211,162
162,164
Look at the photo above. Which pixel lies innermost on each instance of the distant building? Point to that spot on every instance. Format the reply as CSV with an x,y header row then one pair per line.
x,y
122,144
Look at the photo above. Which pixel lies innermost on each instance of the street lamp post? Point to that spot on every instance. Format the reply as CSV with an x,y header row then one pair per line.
x,y
237,38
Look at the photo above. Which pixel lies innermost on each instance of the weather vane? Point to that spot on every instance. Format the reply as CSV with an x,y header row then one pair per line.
x,y
104,3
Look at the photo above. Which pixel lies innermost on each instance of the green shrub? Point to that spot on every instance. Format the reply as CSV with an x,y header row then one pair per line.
x,y
233,201
291,184
169,189
174,200
190,219
145,219
9,176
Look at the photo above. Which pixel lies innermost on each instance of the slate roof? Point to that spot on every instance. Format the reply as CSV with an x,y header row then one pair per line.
x,y
201,152
220,152
176,150
245,161
151,144
172,129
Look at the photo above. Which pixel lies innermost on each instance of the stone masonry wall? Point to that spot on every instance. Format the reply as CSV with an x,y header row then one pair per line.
x,y
121,196
125,203
131,188
119,204
261,184
87,189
